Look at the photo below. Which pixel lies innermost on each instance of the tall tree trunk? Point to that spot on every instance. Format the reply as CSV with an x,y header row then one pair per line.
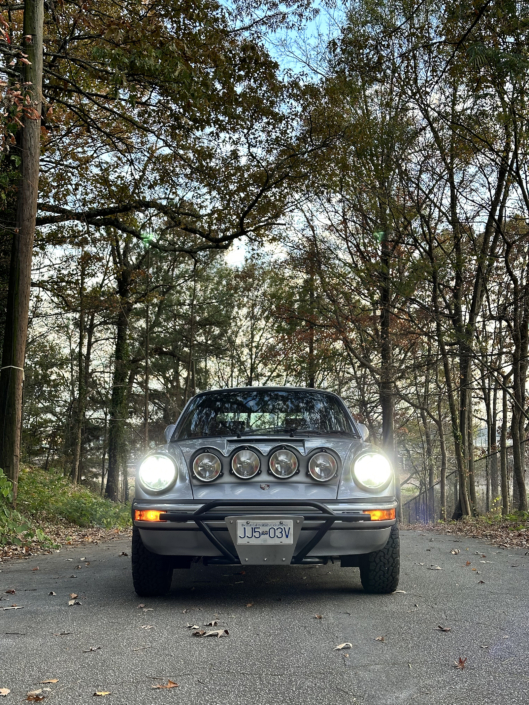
x,y
442,445
503,454
16,327
494,489
81,397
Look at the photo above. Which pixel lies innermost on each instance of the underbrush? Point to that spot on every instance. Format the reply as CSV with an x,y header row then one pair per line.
x,y
47,499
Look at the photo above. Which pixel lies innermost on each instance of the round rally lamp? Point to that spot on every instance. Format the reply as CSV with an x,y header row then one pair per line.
x,y
207,467
372,472
322,466
245,464
157,473
283,464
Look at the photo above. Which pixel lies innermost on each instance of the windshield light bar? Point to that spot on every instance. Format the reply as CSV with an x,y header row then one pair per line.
x,y
148,515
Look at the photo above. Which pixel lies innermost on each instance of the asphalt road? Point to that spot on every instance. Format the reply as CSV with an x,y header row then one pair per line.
x,y
277,651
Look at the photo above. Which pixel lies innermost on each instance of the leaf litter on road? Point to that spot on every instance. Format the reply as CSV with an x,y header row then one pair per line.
x,y
218,633
50,680
346,645
102,692
4,692
170,684
443,629
461,662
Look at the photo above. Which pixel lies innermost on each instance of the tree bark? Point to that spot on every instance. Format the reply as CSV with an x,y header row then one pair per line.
x,y
503,455
16,328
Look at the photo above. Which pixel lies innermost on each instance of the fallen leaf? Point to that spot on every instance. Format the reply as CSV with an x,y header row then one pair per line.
x,y
444,629
102,692
402,592
50,680
347,645
461,663
52,593
63,633
142,605
455,551
318,616
37,568
123,553
170,684
73,602
435,567
484,647
193,626
13,607
198,632
11,592
481,582
147,626
218,633
250,604
35,698
468,563
92,648
379,638
73,595
213,623
4,691
148,609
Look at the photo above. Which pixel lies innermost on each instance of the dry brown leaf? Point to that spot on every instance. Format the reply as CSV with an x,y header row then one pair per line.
x,y
102,692
170,684
123,553
318,616
4,692
92,648
35,698
481,582
52,593
198,632
193,626
379,638
468,563
444,629
11,592
250,604
435,567
50,680
73,602
461,663
213,623
141,605
346,645
37,568
73,595
455,551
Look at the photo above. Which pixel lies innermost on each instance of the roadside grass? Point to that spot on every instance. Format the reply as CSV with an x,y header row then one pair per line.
x,y
51,511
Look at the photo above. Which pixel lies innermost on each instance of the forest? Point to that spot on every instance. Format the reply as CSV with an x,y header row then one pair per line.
x,y
241,193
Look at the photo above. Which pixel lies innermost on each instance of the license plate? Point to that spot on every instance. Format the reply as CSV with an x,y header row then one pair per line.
x,y
264,532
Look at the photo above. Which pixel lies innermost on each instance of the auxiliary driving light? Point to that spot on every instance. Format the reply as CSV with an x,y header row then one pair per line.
x,y
283,464
322,467
245,464
207,467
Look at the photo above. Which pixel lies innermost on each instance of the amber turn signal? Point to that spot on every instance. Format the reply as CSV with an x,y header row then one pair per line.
x,y
148,515
380,514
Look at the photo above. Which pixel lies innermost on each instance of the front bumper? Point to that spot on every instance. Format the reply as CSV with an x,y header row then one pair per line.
x,y
328,529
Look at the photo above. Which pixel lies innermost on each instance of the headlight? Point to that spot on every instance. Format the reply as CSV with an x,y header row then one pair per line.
x,y
207,467
157,473
283,464
372,471
323,467
245,464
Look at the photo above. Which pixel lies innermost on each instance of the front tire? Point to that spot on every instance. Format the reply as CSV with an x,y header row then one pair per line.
x,y
151,573
379,571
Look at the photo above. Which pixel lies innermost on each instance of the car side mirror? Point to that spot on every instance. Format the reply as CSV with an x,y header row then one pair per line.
x,y
169,432
364,431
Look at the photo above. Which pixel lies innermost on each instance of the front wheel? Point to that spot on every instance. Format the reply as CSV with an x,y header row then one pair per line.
x,y
379,571
151,573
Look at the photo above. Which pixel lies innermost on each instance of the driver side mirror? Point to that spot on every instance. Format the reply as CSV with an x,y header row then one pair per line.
x,y
169,432
364,431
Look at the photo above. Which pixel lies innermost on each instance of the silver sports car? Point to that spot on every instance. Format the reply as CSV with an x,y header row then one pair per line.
x,y
261,476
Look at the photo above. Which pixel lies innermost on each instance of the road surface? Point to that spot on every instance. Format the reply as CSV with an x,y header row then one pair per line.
x,y
278,651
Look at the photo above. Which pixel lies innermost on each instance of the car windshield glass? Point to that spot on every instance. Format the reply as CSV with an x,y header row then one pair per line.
x,y
264,412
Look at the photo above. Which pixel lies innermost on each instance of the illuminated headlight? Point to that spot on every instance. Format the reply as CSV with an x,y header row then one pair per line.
x,y
245,464
323,467
207,467
372,471
283,464
157,473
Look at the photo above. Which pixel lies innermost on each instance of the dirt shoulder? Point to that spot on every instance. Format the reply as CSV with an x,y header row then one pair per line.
x,y
507,533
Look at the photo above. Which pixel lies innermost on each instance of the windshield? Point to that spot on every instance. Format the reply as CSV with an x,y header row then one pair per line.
x,y
264,412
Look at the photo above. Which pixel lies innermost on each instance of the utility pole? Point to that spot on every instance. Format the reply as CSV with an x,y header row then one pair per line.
x,y
16,328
